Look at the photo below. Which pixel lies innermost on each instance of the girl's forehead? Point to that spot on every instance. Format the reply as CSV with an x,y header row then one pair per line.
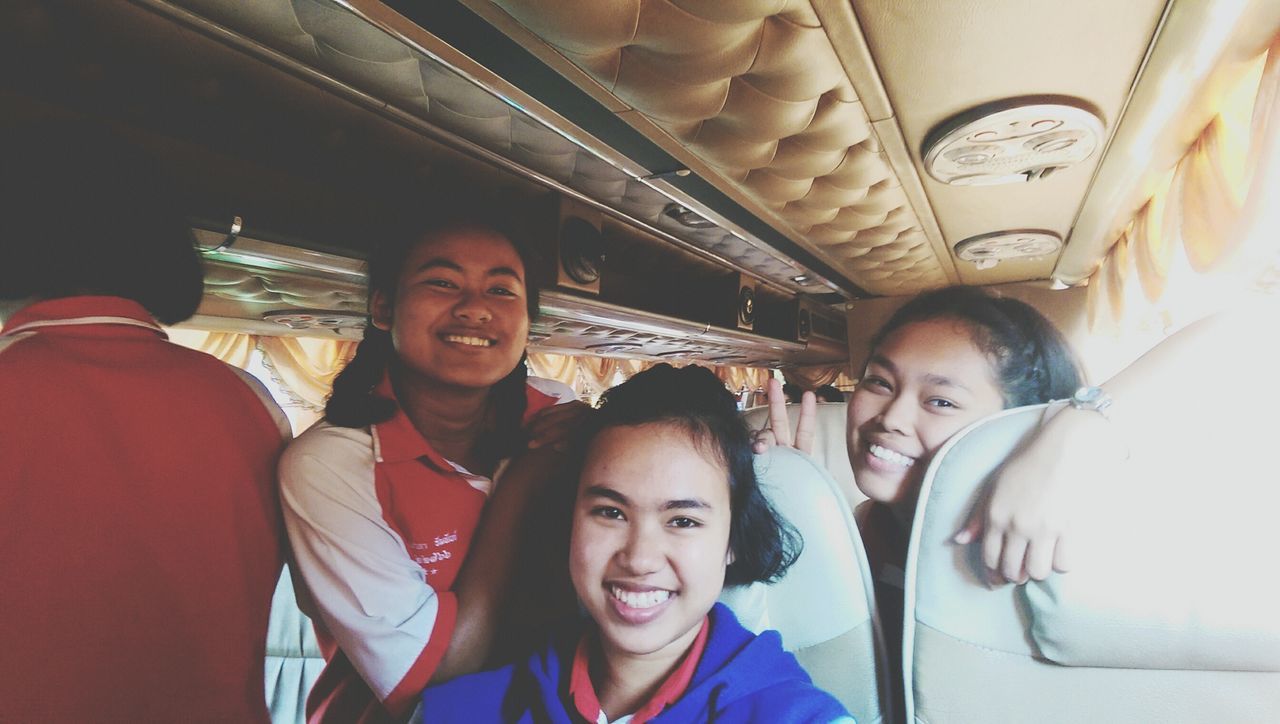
x,y
653,461
942,347
468,246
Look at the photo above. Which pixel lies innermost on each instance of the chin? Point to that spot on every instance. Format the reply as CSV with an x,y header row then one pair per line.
x,y
880,490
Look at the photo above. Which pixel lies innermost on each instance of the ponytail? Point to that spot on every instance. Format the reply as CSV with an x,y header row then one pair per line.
x,y
510,400
353,402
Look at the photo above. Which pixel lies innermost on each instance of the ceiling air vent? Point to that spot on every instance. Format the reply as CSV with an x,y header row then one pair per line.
x,y
343,324
986,250
1011,144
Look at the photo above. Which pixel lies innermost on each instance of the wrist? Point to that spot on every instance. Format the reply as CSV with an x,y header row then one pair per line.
x,y
1085,431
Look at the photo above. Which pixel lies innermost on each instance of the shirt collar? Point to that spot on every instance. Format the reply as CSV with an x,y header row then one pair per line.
x,y
587,703
397,440
74,311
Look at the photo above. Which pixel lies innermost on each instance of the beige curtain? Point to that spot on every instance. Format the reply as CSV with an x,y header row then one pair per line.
x,y
1212,220
299,371
590,375
736,378
233,348
559,367
306,367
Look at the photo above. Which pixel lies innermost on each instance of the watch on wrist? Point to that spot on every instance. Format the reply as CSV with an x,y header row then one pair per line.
x,y
1093,398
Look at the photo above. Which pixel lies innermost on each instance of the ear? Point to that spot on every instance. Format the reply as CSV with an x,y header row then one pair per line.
x,y
380,311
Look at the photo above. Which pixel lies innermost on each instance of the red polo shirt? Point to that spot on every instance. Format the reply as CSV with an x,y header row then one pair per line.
x,y
379,524
587,703
140,539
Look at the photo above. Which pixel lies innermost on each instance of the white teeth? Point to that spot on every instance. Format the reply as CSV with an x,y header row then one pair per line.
x,y
897,458
646,599
469,341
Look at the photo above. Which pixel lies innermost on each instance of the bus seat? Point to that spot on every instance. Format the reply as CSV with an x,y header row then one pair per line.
x,y
823,606
830,447
1145,630
294,660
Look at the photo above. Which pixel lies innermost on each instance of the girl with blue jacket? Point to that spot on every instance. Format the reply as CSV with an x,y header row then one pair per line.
x,y
666,512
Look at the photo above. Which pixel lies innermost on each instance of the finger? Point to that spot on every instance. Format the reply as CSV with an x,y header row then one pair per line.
x,y
992,547
778,421
971,531
1013,557
807,423
568,414
567,411
1062,555
1040,559
762,441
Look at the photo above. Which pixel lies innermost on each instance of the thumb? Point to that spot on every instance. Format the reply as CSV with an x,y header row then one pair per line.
x,y
971,531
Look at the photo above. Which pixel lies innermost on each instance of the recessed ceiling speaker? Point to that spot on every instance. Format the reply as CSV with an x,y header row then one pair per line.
x,y
804,324
1001,245
1011,142
746,306
579,247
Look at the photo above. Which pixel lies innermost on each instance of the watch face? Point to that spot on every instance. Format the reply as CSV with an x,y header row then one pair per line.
x,y
1087,395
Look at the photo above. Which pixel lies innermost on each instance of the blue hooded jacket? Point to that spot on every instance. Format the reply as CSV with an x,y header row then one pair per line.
x,y
740,678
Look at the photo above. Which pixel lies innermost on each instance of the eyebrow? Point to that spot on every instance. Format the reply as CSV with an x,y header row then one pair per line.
x,y
440,262
940,380
601,491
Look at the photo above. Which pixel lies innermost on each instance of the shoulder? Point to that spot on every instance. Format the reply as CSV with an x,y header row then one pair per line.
x,y
554,391
12,340
474,697
268,402
328,455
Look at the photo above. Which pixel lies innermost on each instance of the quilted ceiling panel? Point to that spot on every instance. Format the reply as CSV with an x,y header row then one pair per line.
x,y
754,90
326,36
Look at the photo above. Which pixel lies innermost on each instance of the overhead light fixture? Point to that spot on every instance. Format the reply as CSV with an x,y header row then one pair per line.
x,y
1011,142
343,324
686,217
1059,285
987,249
801,279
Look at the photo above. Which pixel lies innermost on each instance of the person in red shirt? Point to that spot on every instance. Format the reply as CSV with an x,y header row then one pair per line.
x,y
403,505
140,539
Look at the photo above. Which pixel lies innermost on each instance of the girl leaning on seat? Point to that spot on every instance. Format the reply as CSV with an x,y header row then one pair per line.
x,y
402,506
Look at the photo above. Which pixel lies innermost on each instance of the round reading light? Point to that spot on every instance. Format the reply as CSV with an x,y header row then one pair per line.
x,y
1010,143
1001,245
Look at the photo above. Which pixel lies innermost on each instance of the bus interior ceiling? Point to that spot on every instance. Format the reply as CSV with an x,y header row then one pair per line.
x,y
726,186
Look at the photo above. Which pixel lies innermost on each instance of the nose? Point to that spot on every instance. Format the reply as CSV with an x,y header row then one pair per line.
x,y
641,553
472,308
898,415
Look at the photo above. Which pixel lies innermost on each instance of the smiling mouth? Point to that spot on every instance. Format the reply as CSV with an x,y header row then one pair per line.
x,y
467,341
890,456
639,599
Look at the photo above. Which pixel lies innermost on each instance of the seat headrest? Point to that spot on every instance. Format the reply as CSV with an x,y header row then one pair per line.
x,y
1179,582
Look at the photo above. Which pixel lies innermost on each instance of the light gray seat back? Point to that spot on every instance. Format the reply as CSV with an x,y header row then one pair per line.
x,y
294,660
824,605
1143,632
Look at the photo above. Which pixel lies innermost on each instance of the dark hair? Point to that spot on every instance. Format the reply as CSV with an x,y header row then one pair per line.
x,y
85,212
353,402
828,393
764,545
1030,359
